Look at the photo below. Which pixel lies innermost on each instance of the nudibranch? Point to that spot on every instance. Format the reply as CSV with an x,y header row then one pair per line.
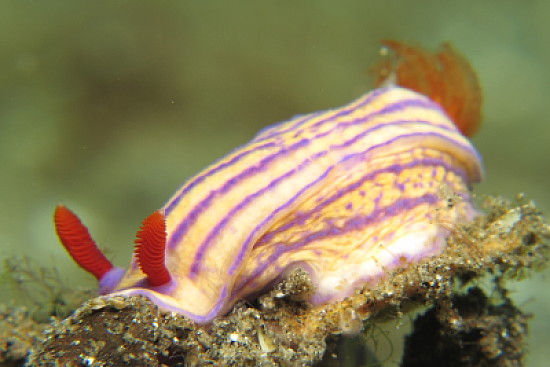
x,y
346,194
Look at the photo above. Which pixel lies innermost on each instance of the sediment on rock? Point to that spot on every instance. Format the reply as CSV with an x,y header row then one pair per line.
x,y
280,328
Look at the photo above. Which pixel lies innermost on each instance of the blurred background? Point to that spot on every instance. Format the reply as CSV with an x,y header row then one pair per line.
x,y
109,107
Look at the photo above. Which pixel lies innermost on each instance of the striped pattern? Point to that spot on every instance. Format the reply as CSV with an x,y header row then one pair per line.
x,y
345,193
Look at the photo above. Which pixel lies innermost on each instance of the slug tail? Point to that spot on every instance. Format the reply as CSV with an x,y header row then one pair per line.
x,y
151,247
77,241
446,77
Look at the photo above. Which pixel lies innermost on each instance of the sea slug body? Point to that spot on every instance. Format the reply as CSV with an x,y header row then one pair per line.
x,y
345,194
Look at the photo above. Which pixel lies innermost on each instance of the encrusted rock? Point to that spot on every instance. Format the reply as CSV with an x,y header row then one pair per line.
x,y
281,328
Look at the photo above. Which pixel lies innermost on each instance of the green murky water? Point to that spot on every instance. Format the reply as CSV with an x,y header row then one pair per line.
x,y
110,107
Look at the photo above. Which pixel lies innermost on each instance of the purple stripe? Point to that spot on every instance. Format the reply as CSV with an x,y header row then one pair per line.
x,y
200,178
395,168
262,166
266,220
247,200
183,227
191,218
353,224
302,119
219,226
201,319
400,105
465,147
197,180
339,112
390,108
193,215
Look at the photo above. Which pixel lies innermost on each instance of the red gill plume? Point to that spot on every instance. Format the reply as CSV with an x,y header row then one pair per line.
x,y
77,241
445,77
150,249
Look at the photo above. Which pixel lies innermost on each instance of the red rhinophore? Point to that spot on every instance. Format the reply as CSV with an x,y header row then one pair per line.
x,y
446,77
77,240
150,249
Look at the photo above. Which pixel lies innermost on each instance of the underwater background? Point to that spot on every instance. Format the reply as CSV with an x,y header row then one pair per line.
x,y
110,107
